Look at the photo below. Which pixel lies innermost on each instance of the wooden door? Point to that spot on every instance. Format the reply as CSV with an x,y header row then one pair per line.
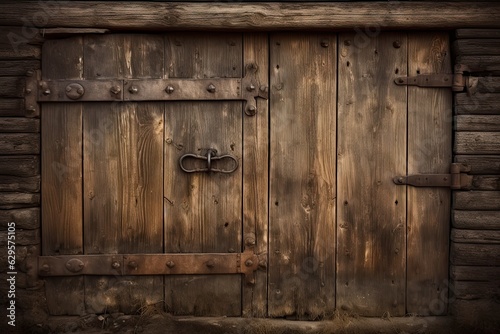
x,y
312,195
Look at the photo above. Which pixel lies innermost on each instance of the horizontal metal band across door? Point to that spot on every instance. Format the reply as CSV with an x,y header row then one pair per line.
x,y
149,264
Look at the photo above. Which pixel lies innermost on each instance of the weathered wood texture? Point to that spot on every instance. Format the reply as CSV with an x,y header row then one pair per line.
x,y
477,123
482,47
429,151
19,125
372,147
12,86
479,103
21,165
477,33
476,200
477,143
486,64
21,42
19,143
122,171
16,183
256,176
488,220
202,211
12,107
475,236
474,254
9,68
474,273
24,218
62,228
302,175
481,164
263,16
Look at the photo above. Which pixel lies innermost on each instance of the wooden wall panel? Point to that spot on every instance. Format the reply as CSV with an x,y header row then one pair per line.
x,y
203,212
371,221
429,151
302,175
61,165
123,169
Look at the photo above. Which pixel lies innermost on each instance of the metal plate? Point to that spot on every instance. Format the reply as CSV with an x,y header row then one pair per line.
x,y
426,80
94,90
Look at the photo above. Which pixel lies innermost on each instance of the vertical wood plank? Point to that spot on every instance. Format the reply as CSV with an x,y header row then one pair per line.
x,y
302,175
255,176
61,130
429,151
371,223
203,212
123,172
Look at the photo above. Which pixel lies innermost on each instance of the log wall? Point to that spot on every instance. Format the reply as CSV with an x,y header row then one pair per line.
x,y
475,235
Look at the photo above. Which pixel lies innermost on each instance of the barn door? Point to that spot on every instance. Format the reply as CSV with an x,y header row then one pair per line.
x,y
155,164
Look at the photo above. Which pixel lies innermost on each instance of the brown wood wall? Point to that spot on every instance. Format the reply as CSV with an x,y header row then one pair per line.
x,y
475,234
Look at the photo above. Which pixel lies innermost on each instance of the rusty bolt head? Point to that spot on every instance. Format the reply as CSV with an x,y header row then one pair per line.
x,y
169,89
211,88
74,91
45,268
132,265
46,91
325,43
252,67
115,90
400,180
251,88
210,263
28,91
170,264
80,91
396,44
251,110
400,80
133,89
248,263
347,42
262,264
68,88
31,109
115,265
30,73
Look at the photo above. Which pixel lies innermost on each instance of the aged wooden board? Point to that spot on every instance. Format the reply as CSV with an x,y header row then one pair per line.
x,y
476,200
123,149
12,86
16,183
20,165
12,107
474,254
20,42
476,290
475,236
488,220
61,124
19,125
477,123
485,182
24,218
480,164
17,67
479,103
429,151
263,16
19,143
476,46
474,273
202,211
488,64
488,84
477,143
255,176
302,175
371,150
477,33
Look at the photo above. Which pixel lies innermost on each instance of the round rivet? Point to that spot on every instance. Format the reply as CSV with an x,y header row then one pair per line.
x,y
210,264
133,90
115,90
28,91
115,265
400,180
45,268
74,91
211,88
347,42
132,265
75,265
251,88
396,44
169,89
251,110
325,43
170,264
248,263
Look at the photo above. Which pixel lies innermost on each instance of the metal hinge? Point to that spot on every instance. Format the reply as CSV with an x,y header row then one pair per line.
x,y
457,81
247,89
457,179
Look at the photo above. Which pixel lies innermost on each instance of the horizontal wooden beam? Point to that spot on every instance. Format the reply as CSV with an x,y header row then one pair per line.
x,y
138,15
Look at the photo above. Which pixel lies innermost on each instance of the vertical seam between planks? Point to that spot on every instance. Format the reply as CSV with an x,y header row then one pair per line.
x,y
269,137
336,167
84,39
242,204
408,36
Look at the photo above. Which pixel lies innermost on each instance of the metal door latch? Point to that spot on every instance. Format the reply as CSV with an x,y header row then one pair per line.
x,y
210,157
457,179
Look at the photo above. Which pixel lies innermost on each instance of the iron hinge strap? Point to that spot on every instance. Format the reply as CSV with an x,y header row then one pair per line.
x,y
457,179
458,81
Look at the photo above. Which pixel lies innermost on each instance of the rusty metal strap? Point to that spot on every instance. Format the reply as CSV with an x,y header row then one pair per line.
x,y
457,179
149,264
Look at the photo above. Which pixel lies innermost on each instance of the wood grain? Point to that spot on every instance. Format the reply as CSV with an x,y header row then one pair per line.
x,y
488,220
263,16
429,151
477,143
19,143
474,254
302,175
21,42
371,222
17,67
477,33
12,86
20,165
256,176
477,123
477,46
12,107
480,164
19,125
479,103
16,183
475,236
123,149
24,218
202,211
485,64
61,124
474,273
476,200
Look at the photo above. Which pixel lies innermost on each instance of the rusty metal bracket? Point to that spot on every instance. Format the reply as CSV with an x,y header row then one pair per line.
x,y
457,179
457,81
245,263
246,89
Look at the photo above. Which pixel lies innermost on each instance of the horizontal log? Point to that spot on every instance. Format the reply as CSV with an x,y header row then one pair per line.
x,y
475,123
476,290
480,164
475,236
480,47
477,143
485,182
21,165
12,108
487,103
488,84
476,200
19,143
477,33
7,198
24,218
22,42
481,64
474,273
23,238
19,124
256,16
16,183
479,220
12,86
475,316
10,68
474,254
